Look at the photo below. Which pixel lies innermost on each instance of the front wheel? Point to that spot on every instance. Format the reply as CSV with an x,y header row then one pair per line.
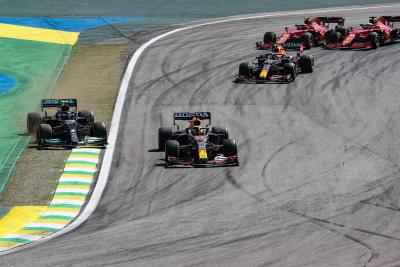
x,y
373,38
229,148
306,63
290,70
269,37
100,130
44,131
171,149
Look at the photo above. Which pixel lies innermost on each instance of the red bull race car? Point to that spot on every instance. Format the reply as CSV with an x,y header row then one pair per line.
x,y
377,32
312,33
276,66
196,145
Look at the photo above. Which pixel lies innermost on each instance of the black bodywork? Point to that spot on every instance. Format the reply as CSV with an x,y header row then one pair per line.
x,y
199,146
67,127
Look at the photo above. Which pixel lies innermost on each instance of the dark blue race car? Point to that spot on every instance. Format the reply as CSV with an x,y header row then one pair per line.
x,y
66,127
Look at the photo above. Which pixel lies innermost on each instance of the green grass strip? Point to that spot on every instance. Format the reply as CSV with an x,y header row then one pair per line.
x,y
70,194
15,240
57,217
46,229
78,173
75,183
67,206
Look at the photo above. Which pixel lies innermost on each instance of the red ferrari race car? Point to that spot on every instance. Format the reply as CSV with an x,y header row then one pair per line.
x,y
378,31
311,33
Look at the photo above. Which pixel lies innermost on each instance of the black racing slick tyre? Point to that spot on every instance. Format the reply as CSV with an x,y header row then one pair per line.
x,y
344,31
306,63
327,34
229,148
32,122
373,38
244,69
44,131
164,134
221,131
394,35
87,115
334,37
100,130
290,69
308,40
171,149
269,37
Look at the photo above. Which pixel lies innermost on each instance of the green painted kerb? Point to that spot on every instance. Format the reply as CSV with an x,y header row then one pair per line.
x,y
36,66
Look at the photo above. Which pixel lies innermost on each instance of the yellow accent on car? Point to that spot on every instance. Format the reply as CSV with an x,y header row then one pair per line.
x,y
203,154
264,73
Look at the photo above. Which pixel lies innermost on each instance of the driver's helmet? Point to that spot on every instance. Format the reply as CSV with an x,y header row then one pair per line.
x,y
195,122
64,107
278,49
307,20
195,126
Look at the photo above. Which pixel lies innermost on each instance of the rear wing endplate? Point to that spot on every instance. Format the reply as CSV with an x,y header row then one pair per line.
x,y
53,103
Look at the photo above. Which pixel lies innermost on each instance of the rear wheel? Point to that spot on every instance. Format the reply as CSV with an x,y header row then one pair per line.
x,y
164,134
223,132
88,115
100,130
171,149
373,38
229,148
344,31
32,122
290,69
269,37
306,63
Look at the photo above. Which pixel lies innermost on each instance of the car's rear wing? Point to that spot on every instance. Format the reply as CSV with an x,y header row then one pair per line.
x,y
187,116
390,18
53,103
327,20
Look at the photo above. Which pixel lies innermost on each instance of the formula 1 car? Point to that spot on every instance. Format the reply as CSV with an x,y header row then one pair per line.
x,y
377,32
197,145
276,66
312,33
67,127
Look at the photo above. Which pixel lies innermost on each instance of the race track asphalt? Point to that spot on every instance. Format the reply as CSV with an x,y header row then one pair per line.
x,y
318,183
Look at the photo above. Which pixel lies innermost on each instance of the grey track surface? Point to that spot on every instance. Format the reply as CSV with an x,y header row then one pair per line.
x,y
318,183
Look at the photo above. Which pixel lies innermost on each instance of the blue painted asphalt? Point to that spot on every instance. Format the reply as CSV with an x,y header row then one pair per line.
x,y
6,83
65,24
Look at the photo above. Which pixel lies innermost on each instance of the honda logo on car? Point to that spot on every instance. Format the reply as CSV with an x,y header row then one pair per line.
x,y
191,114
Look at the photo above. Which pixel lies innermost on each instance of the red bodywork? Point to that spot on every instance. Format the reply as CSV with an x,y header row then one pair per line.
x,y
316,26
356,38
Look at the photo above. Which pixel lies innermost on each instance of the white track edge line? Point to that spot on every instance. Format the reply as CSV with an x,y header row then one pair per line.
x,y
108,155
